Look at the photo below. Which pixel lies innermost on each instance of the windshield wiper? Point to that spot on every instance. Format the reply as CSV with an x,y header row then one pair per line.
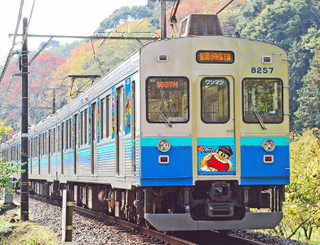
x,y
259,119
164,117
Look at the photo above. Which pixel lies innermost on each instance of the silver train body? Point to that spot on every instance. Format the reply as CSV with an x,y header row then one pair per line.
x,y
190,133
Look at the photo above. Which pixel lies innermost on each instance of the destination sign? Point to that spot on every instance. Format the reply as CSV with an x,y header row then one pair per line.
x,y
167,83
215,57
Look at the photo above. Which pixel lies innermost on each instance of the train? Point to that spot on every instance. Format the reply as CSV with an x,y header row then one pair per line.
x,y
188,133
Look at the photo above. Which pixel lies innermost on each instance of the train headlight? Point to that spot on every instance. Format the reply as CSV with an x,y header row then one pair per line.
x,y
163,145
268,145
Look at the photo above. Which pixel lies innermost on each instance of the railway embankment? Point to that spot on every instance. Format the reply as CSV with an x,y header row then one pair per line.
x,y
45,228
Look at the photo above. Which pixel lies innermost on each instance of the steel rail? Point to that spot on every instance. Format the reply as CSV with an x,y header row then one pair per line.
x,y
217,239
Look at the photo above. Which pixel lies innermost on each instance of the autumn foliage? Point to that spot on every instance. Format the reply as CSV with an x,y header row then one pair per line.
x,y
41,75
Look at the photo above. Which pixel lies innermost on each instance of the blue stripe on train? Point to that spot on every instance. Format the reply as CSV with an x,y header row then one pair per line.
x,y
68,159
253,169
84,156
177,172
44,162
106,152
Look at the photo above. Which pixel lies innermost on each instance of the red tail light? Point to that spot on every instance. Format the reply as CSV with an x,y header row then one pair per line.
x,y
268,159
164,159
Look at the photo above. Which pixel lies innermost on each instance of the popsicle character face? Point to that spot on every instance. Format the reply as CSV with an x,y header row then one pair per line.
x,y
218,161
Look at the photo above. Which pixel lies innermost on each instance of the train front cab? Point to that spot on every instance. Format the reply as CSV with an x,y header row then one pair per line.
x,y
207,157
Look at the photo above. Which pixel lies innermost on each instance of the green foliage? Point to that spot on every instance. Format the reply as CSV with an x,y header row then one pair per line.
x,y
302,206
308,115
24,232
7,169
283,22
294,25
299,64
311,40
4,129
6,230
250,12
306,92
122,14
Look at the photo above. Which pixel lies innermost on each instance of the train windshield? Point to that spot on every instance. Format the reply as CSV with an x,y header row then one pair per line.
x,y
262,100
167,100
214,100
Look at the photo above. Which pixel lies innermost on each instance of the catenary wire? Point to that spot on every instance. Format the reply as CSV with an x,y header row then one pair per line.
x,y
13,42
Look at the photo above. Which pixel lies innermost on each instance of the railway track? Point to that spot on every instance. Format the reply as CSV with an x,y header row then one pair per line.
x,y
156,237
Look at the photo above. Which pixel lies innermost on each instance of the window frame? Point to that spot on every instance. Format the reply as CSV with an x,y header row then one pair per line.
x,y
86,126
81,127
201,100
70,133
108,113
282,105
188,98
102,118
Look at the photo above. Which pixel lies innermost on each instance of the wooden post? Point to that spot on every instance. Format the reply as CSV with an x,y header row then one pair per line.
x,y
67,212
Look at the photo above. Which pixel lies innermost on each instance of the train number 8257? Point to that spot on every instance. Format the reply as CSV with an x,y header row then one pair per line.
x,y
260,70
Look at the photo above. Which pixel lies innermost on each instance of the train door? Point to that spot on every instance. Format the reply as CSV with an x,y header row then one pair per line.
x,y
119,131
39,154
93,138
133,126
49,151
216,129
62,148
75,140
31,155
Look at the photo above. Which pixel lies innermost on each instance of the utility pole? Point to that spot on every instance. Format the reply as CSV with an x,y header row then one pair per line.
x,y
163,19
54,101
163,9
24,128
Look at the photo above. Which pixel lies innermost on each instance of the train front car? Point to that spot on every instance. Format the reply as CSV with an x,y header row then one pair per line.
x,y
214,131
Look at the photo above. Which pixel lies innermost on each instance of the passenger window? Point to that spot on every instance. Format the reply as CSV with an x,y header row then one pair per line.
x,y
54,140
214,100
85,126
70,134
167,99
102,118
59,138
108,116
262,98
67,134
45,143
40,145
81,128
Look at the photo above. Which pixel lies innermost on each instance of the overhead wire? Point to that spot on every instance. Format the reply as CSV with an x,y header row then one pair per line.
x,y
10,54
13,43
117,48
27,28
96,58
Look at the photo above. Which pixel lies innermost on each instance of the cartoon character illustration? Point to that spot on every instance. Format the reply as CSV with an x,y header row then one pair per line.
x,y
113,115
217,161
128,112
